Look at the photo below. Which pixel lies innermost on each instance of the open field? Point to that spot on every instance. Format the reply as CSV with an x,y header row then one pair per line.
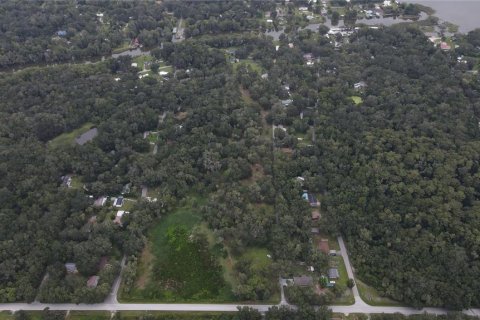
x,y
248,62
68,138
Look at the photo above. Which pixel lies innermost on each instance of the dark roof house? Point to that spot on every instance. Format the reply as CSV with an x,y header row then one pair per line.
x,y
118,202
303,281
333,273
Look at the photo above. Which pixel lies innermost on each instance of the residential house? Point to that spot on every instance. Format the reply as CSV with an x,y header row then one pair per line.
x,y
332,253
61,33
333,273
445,46
303,281
92,282
312,200
359,85
126,188
71,267
67,181
100,202
118,202
87,136
286,102
118,216
316,215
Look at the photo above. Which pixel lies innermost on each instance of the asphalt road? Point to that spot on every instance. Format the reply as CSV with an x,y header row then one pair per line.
x,y
211,307
111,303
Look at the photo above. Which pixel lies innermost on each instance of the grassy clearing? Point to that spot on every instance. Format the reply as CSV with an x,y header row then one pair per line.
x,y
124,47
249,63
356,99
89,315
140,60
68,138
179,263
4,315
77,182
347,298
371,296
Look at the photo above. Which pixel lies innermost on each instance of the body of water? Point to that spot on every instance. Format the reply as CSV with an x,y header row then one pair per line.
x,y
464,13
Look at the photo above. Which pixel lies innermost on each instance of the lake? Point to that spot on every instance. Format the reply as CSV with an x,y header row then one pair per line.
x,y
464,13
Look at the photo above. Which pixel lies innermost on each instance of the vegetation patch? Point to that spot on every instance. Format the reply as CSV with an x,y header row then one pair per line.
x,y
371,296
68,138
179,264
357,99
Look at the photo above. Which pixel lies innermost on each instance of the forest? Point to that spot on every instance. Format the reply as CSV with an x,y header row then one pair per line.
x,y
381,124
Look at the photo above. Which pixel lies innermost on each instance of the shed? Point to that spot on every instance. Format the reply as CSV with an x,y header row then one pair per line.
x,y
71,267
303,281
333,273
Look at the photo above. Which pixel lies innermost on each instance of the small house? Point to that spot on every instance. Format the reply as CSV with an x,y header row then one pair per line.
x,y
87,136
92,282
118,217
315,230
303,9
126,188
332,253
315,215
303,281
445,46
100,202
66,181
359,85
286,102
61,33
118,202
333,273
312,200
71,267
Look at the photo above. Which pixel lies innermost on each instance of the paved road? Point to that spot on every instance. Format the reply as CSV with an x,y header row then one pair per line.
x,y
112,297
212,307
346,260
111,303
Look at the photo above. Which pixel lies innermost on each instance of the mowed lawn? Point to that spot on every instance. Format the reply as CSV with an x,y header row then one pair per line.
x,y
68,138
178,265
